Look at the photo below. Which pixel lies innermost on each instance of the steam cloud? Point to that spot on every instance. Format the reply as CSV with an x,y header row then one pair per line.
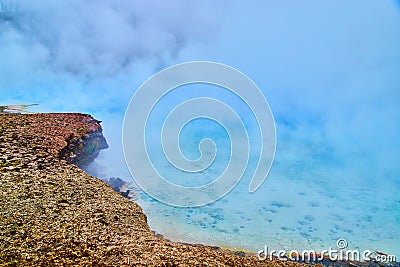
x,y
84,54
329,70
90,56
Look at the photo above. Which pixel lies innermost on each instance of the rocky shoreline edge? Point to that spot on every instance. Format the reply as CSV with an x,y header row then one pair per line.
x,y
52,213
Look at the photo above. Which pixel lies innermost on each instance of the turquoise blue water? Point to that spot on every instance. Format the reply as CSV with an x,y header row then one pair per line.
x,y
328,70
303,204
300,206
321,188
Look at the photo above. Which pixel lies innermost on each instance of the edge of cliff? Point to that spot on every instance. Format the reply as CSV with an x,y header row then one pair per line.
x,y
54,213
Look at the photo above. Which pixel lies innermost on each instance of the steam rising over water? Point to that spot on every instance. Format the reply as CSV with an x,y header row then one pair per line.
x,y
329,71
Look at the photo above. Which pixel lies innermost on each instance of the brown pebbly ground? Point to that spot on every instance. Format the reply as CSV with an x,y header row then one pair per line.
x,y
54,214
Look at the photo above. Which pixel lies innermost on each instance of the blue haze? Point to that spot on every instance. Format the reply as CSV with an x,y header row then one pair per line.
x,y
329,69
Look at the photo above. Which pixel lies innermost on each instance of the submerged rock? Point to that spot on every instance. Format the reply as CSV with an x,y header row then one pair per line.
x,y
122,187
116,183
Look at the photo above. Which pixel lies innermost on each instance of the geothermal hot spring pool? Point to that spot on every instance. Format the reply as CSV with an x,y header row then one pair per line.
x,y
323,185
309,200
321,188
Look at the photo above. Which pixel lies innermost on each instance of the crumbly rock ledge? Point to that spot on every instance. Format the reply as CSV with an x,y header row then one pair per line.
x,y
54,214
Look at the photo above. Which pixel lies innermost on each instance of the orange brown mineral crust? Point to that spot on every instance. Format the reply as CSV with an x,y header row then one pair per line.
x,y
54,214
